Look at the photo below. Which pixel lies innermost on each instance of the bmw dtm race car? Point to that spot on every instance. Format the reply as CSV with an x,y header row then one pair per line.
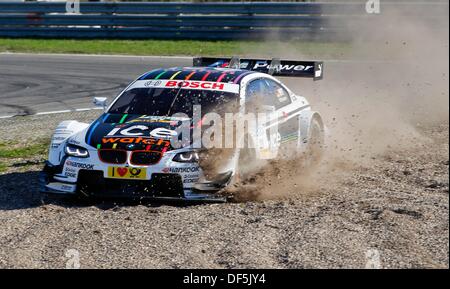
x,y
129,151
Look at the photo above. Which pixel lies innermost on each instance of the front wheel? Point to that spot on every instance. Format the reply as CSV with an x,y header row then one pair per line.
x,y
247,159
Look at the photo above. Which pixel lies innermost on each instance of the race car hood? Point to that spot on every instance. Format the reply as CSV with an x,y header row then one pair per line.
x,y
133,132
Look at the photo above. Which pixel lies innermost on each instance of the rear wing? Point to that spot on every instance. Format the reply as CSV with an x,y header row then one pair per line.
x,y
275,67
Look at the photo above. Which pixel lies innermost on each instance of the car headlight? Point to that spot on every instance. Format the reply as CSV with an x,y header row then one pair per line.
x,y
186,157
76,151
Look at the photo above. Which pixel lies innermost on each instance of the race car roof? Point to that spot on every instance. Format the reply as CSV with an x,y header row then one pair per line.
x,y
213,74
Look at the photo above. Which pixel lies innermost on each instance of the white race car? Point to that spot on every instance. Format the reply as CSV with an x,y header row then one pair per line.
x,y
129,151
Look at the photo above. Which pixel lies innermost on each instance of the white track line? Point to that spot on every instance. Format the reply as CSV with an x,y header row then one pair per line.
x,y
53,112
99,55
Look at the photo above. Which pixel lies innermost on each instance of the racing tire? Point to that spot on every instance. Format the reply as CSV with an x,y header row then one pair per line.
x,y
315,144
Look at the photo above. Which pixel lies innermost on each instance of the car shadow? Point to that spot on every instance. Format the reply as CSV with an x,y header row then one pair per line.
x,y
20,190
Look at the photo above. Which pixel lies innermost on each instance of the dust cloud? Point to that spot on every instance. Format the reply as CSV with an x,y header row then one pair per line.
x,y
392,80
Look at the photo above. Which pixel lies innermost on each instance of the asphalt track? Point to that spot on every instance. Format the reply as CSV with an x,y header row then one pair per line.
x,y
33,83
39,83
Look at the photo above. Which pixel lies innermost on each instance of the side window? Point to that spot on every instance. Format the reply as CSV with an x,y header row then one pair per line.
x,y
254,95
275,94
254,90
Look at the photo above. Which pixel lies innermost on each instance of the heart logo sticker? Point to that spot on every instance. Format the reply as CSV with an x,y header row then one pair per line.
x,y
122,171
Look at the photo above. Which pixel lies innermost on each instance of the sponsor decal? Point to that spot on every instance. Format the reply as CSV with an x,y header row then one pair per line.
x,y
188,84
318,72
191,176
79,165
75,142
190,181
149,119
138,130
66,188
153,83
61,187
70,172
181,170
123,171
70,175
58,138
163,133
136,140
287,67
195,84
63,131
127,173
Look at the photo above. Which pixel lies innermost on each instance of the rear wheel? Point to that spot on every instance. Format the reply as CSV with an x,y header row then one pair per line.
x,y
315,145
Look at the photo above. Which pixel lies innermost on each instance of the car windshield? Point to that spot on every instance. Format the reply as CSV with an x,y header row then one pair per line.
x,y
166,102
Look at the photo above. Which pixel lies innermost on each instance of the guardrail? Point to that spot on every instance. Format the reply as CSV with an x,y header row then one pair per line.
x,y
181,20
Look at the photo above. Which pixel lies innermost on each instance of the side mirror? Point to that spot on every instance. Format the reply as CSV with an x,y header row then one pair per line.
x,y
100,102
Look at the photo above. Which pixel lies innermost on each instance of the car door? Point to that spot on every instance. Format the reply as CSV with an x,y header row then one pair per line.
x,y
258,101
287,111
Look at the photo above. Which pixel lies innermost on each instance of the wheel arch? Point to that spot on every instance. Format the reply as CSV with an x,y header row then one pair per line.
x,y
306,119
62,132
